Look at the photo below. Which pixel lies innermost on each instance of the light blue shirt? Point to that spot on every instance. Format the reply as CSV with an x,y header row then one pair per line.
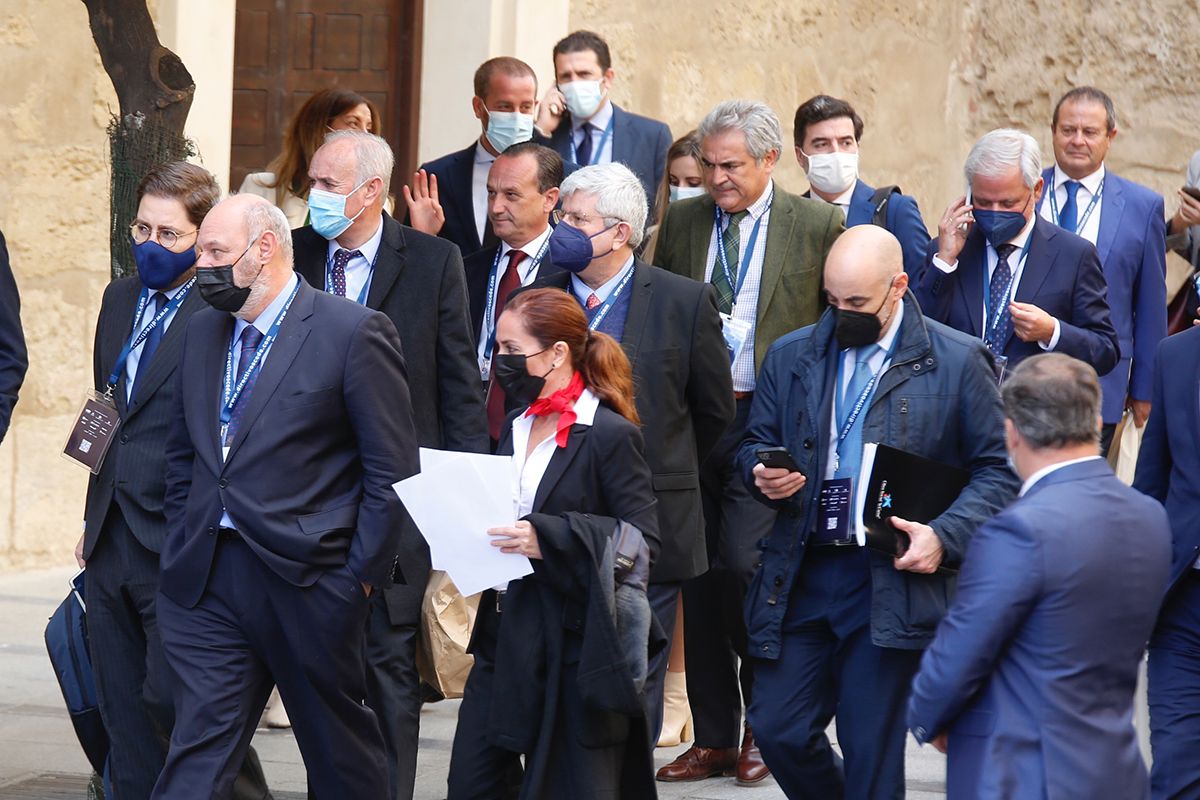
x,y
358,269
582,290
135,355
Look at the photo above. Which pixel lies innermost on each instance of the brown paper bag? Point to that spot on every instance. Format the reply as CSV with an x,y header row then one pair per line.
x,y
447,619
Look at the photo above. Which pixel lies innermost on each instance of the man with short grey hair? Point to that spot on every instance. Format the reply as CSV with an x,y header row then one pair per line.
x,y
763,250
999,272
1043,642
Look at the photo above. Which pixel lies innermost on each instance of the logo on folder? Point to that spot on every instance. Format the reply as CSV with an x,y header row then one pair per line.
x,y
884,501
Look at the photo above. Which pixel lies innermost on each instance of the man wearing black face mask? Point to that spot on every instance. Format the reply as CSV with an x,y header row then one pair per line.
x,y
998,272
836,629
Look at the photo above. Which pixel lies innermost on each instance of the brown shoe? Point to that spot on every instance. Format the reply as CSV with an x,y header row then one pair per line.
x,y
750,766
698,763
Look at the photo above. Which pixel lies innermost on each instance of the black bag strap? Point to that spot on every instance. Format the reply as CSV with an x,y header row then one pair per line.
x,y
879,201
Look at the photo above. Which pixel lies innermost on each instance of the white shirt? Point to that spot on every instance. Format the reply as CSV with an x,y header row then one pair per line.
x,y
1088,189
527,270
263,322
849,361
358,269
135,355
599,123
479,175
745,305
583,291
993,258
842,201
1044,471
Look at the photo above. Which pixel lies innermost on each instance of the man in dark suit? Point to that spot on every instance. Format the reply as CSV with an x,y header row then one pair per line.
x,y
763,250
417,281
669,328
1168,469
13,359
1029,683
294,421
1124,220
586,127
827,134
124,525
1022,285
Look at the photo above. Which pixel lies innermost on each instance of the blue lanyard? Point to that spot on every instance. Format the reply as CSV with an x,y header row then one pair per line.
x,y
136,339
231,393
612,298
749,254
489,309
1087,212
849,420
362,295
599,148
989,321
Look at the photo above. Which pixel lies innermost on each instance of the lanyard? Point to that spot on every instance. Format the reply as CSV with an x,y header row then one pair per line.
x,y
362,295
599,148
489,308
135,340
608,304
231,393
868,390
990,322
1087,212
741,278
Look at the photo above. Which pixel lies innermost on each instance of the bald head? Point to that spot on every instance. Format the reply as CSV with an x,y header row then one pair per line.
x,y
864,272
253,236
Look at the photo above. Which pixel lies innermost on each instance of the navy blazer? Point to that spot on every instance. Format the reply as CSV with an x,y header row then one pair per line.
x,y
455,175
308,478
1033,670
1132,246
1168,465
903,221
14,361
638,142
1062,276
478,267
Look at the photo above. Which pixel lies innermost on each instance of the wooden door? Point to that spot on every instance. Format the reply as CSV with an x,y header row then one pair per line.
x,y
285,50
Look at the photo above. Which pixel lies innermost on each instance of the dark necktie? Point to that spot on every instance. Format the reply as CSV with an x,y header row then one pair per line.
x,y
152,339
732,236
251,338
509,283
1069,216
999,324
340,259
583,153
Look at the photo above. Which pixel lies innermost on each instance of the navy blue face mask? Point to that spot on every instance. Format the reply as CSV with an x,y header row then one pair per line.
x,y
571,248
159,267
1000,226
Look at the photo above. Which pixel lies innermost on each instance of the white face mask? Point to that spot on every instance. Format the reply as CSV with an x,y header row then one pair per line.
x,y
583,97
684,192
506,128
832,173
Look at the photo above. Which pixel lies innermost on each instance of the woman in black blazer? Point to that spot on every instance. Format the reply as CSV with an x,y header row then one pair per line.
x,y
550,680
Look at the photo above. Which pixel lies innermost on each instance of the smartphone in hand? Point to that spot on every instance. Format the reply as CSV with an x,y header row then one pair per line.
x,y
776,458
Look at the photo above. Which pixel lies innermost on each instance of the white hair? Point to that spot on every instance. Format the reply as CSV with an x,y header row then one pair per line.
x,y
756,120
998,152
618,192
372,153
263,217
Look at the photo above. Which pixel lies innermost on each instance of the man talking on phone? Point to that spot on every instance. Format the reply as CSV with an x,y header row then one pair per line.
x,y
836,629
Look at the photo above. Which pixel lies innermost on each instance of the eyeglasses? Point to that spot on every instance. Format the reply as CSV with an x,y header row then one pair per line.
x,y
168,238
578,220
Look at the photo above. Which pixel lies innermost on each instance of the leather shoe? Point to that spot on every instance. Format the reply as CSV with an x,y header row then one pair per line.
x,y
750,766
698,763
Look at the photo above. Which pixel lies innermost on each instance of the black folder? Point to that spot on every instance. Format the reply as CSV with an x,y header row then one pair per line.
x,y
895,482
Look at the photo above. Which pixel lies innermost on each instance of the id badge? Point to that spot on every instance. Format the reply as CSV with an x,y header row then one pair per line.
x,y
833,522
736,333
93,432
485,369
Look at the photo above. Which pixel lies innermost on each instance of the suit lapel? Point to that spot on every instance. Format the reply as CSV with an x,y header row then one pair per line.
x,y
462,184
622,143
562,458
311,252
214,373
1038,262
780,227
640,296
113,340
970,282
860,211
1112,205
389,264
166,357
701,235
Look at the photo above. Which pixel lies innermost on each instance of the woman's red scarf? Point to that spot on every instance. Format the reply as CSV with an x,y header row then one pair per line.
x,y
562,403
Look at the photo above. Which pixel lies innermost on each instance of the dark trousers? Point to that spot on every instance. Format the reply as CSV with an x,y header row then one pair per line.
x,y
1173,674
133,682
714,626
394,694
252,629
1106,437
828,666
663,597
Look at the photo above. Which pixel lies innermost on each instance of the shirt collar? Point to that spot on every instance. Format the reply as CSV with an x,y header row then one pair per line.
x,y
1044,471
482,156
369,248
1091,182
582,290
600,119
268,315
170,293
760,206
530,249
585,412
845,197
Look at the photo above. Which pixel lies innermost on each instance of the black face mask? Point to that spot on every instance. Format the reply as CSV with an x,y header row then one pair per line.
x,y
218,289
512,373
858,328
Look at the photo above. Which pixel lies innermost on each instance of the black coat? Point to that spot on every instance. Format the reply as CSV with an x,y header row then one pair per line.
x,y
13,358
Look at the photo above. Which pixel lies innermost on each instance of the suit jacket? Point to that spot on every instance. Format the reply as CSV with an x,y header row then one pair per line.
x,y
799,235
308,478
1132,246
134,472
903,221
638,142
1033,671
1168,465
684,396
478,267
1062,276
13,358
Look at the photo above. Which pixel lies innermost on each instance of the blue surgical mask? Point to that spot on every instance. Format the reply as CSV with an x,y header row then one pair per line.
x,y
159,267
684,192
1000,226
583,97
327,211
506,128
571,248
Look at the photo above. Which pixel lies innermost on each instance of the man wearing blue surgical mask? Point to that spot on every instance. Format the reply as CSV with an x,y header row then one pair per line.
x,y
1021,284
586,127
